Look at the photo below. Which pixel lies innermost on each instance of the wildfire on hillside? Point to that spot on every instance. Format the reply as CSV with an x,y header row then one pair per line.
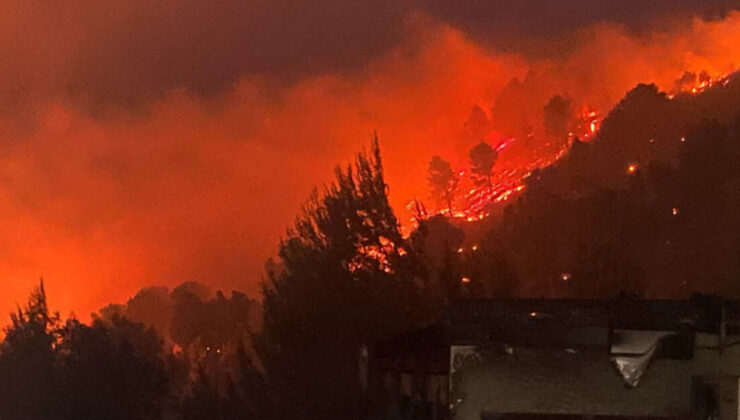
x,y
508,180
693,84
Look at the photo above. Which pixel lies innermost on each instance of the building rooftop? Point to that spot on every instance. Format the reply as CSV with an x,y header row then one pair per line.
x,y
564,324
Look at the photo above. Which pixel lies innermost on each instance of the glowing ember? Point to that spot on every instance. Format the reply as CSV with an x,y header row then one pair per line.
x,y
565,276
370,255
465,280
632,168
675,211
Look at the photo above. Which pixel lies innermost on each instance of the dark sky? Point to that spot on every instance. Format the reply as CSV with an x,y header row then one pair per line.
x,y
125,53
514,24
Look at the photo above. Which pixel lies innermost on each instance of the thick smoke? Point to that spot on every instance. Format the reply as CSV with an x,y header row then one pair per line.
x,y
543,27
110,54
150,144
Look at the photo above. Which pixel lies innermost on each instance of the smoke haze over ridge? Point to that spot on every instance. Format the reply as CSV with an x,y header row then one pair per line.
x,y
147,143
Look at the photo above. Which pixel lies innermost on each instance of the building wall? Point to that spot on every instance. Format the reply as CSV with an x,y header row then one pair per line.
x,y
521,380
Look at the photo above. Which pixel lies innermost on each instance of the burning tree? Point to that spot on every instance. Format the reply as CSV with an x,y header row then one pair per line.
x,y
443,181
482,159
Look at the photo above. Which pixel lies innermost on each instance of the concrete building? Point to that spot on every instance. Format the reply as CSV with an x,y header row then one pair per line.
x,y
562,359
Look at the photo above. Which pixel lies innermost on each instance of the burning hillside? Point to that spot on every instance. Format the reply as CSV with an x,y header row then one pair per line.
x,y
472,203
153,145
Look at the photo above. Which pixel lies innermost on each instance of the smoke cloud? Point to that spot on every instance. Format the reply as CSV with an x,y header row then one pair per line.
x,y
146,143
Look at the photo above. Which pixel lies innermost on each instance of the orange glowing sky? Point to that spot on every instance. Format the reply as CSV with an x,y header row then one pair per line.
x,y
103,191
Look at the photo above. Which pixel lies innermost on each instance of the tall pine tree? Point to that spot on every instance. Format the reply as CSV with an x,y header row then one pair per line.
x,y
346,279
